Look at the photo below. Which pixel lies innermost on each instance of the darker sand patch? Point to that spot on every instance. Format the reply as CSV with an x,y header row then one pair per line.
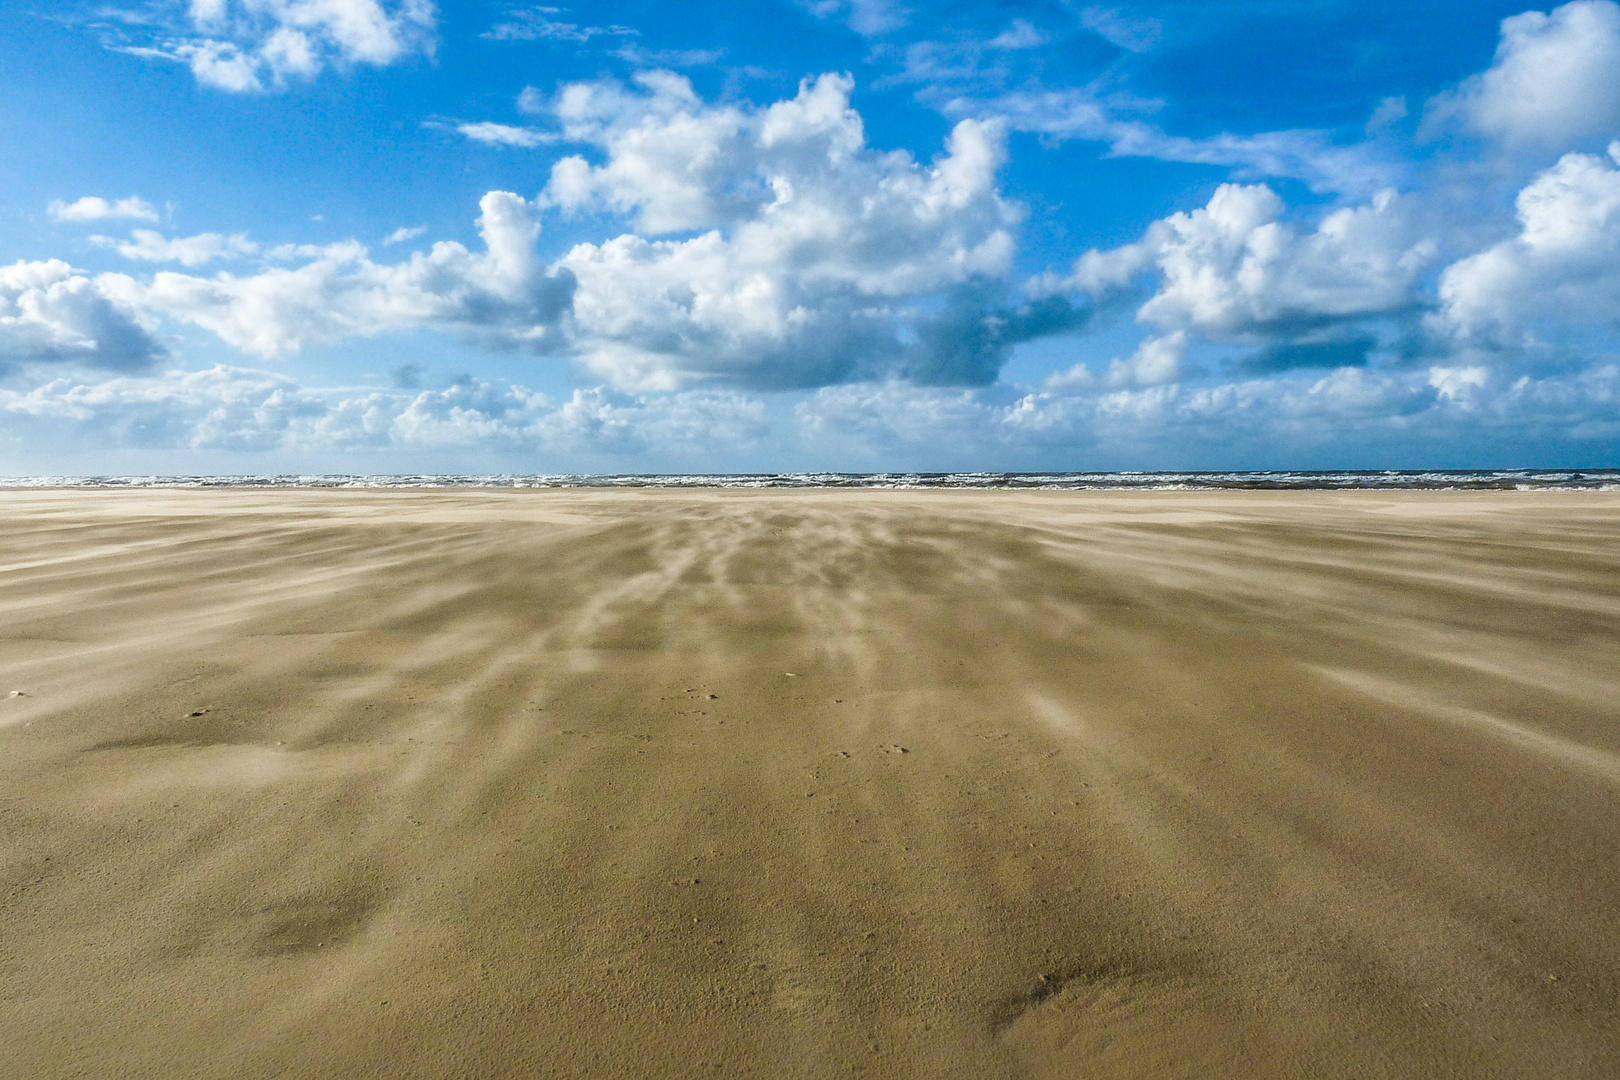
x,y
1112,1024
308,923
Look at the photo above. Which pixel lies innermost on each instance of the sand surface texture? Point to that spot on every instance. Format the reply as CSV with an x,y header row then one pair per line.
x,y
966,784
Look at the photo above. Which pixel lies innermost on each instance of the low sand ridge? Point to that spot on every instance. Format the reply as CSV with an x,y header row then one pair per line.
x,y
752,784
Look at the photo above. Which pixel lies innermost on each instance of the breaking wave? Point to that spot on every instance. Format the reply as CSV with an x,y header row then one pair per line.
x,y
1286,480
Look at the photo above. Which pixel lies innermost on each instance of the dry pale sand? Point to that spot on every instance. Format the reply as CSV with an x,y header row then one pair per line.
x,y
972,784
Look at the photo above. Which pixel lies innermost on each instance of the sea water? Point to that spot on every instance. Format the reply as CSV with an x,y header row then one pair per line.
x,y
1379,480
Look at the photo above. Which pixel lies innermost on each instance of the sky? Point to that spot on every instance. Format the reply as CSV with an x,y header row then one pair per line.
x,y
383,236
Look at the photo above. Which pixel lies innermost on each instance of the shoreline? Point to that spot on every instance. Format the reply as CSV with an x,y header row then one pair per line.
x,y
1523,479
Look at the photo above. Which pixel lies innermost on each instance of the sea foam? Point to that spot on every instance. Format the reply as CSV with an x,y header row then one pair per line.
x,y
1369,480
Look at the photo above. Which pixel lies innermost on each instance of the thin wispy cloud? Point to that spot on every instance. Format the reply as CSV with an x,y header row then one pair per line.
x,y
150,246
493,134
1133,34
404,233
538,24
95,208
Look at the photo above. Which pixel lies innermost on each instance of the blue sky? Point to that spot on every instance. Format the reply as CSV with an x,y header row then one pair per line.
x,y
394,235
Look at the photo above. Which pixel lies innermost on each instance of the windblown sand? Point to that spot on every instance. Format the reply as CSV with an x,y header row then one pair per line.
x,y
814,784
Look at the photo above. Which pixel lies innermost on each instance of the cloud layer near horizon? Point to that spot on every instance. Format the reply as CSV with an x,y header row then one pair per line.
x,y
1451,413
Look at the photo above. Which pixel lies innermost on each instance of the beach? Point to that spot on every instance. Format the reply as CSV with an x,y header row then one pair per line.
x,y
946,784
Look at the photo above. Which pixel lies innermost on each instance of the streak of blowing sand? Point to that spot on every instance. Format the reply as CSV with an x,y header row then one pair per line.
x,y
801,784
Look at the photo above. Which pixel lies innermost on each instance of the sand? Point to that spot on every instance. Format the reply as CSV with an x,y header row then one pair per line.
x,y
809,784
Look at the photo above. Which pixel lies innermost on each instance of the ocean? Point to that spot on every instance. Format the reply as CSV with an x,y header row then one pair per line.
x,y
1278,480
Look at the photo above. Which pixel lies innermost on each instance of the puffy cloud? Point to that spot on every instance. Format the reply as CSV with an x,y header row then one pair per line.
x,y
707,421
95,208
672,161
152,246
244,45
1563,264
470,412
501,295
49,314
219,64
1232,268
1556,78
876,419
1156,361
1457,382
816,257
1234,271
810,257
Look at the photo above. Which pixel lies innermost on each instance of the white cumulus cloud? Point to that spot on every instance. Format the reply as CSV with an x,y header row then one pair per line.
x,y
1156,361
1555,79
809,257
1563,264
1234,271
501,295
249,45
50,314
812,251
